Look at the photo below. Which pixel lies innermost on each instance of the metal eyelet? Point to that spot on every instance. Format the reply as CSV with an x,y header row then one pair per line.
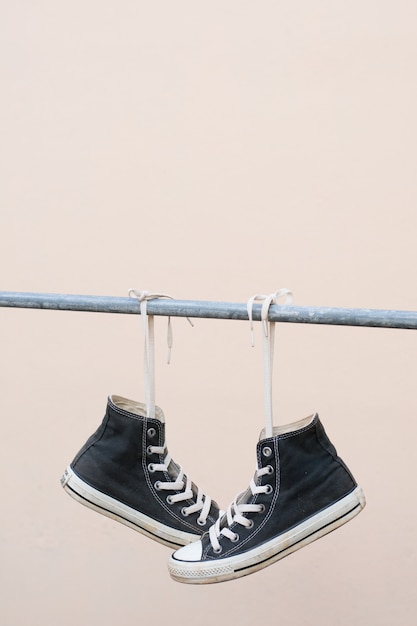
x,y
270,469
217,550
149,450
151,432
184,512
235,538
170,500
261,508
200,522
157,485
251,524
151,468
267,451
269,489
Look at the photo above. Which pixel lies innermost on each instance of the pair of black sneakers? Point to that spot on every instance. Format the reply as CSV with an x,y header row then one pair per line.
x,y
301,490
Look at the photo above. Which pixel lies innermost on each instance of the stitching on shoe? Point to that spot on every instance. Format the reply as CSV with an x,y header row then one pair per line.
x,y
273,501
258,528
80,453
156,496
132,416
335,456
302,430
189,501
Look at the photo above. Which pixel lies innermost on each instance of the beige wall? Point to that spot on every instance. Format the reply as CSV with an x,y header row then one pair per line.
x,y
209,150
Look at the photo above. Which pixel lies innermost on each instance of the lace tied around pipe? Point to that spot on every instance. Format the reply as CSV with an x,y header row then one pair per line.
x,y
148,328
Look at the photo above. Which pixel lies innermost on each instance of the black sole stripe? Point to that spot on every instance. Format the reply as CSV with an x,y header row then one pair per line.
x,y
145,530
241,569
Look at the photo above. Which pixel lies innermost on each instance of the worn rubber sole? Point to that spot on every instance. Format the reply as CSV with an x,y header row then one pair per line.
x,y
220,570
108,506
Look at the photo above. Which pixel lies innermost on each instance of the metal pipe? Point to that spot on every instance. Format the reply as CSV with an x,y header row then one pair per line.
x,y
380,318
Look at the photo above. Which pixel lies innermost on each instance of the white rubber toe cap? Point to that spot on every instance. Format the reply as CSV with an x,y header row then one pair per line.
x,y
191,552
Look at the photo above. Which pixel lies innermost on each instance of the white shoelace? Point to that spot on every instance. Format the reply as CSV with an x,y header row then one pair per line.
x,y
235,511
182,483
202,502
268,341
148,327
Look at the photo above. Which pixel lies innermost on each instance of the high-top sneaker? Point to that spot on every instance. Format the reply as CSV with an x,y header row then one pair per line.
x,y
125,472
301,491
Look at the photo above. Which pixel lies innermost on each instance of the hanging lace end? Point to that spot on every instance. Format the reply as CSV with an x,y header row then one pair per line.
x,y
143,297
170,339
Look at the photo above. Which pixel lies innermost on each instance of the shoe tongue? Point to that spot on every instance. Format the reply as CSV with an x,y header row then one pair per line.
x,y
137,408
244,497
173,470
262,435
247,495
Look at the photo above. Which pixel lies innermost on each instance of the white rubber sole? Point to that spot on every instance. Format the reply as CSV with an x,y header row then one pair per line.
x,y
108,506
219,570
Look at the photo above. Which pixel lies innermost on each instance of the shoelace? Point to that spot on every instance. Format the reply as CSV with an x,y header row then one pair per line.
x,y
235,511
182,483
148,327
268,342
202,502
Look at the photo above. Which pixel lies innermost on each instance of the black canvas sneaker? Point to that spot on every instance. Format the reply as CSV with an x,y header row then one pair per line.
x,y
125,472
301,491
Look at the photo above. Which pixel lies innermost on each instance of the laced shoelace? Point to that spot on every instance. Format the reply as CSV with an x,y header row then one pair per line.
x,y
202,503
182,483
235,511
